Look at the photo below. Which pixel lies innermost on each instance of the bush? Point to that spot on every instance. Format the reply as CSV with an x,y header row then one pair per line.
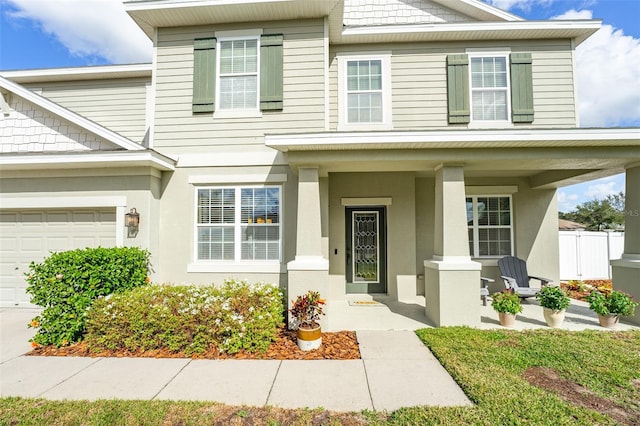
x,y
506,301
66,283
611,302
188,319
554,298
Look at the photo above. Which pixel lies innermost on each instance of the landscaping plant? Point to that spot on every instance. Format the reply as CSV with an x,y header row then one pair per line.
x,y
553,297
506,301
605,301
189,319
66,283
307,309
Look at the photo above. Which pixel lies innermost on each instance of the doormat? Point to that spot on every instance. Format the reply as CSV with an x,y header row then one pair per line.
x,y
364,303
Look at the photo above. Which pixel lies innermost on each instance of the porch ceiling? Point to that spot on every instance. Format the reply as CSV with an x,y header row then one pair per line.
x,y
550,158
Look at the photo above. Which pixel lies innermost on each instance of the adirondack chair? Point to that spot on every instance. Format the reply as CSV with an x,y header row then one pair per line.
x,y
513,271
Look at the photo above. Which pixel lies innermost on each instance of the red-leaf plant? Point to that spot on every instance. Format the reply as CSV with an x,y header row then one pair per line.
x,y
307,309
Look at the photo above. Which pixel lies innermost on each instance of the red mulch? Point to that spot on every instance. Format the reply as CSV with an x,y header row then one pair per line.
x,y
338,345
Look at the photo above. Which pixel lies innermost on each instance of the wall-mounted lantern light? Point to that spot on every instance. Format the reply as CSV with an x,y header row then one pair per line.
x,y
132,222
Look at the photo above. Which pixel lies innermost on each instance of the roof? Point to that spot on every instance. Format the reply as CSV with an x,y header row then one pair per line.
x,y
567,225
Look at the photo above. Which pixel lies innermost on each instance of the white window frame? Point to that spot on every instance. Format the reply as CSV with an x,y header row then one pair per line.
x,y
237,264
475,253
223,36
499,53
387,119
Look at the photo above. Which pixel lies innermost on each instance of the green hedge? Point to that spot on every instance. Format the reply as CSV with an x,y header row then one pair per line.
x,y
188,319
66,283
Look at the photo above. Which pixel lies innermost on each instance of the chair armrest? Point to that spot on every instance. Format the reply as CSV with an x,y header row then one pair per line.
x,y
509,283
543,281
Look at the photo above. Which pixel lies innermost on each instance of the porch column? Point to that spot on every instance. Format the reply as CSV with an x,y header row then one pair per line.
x,y
625,271
309,270
452,279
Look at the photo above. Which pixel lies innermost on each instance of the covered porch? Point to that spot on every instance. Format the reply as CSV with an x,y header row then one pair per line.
x,y
417,188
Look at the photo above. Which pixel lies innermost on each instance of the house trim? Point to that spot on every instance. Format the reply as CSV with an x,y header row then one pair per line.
x,y
240,179
88,159
70,116
375,201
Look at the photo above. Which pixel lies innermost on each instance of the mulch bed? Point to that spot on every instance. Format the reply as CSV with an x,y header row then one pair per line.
x,y
335,345
573,293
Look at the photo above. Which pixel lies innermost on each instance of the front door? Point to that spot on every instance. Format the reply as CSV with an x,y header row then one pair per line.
x,y
366,251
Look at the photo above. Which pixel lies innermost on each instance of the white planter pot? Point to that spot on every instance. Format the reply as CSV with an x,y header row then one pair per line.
x,y
309,338
553,318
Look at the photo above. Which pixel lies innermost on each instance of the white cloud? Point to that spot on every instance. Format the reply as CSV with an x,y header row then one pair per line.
x,y
524,5
566,201
608,73
601,190
88,28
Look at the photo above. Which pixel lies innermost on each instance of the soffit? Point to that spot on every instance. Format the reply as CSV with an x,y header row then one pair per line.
x,y
157,13
78,73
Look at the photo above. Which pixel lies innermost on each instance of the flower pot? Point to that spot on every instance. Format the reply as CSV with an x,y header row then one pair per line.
x,y
309,338
608,321
507,319
553,318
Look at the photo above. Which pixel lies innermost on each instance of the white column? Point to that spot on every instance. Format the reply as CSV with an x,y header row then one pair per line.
x,y
309,270
452,279
625,271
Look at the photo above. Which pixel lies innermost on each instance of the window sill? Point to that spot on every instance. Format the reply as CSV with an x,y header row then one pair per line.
x,y
479,124
364,127
238,114
268,267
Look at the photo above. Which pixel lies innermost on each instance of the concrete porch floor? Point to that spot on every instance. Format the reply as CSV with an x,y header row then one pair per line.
x,y
409,315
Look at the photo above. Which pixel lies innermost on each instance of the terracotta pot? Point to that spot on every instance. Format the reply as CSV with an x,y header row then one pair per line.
x,y
309,338
507,319
608,321
553,318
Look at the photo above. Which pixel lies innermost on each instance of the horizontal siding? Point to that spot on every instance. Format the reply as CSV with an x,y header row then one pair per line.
x,y
177,126
419,82
118,104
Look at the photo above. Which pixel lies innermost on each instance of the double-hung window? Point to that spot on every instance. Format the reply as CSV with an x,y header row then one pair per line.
x,y
238,74
489,220
238,224
364,86
489,88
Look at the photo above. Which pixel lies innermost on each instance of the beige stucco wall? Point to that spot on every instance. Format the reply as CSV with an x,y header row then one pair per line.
x,y
140,187
178,217
401,235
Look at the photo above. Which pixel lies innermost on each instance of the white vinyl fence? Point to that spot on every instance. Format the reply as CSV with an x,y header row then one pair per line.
x,y
585,255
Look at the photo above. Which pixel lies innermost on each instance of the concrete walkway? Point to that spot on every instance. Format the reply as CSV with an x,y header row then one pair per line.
x,y
396,370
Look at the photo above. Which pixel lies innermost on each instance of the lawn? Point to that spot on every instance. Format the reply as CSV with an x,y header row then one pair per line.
x,y
583,378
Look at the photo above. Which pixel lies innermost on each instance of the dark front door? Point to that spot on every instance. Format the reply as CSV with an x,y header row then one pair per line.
x,y
366,251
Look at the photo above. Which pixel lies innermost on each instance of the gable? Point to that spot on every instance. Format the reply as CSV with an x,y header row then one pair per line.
x,y
27,128
398,12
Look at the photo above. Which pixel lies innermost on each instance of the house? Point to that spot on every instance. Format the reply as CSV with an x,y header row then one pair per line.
x,y
346,146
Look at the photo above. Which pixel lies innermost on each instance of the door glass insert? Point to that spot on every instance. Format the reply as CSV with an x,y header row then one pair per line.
x,y
366,245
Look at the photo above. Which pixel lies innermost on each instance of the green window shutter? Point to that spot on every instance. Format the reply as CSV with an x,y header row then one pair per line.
x,y
271,79
521,88
458,88
204,74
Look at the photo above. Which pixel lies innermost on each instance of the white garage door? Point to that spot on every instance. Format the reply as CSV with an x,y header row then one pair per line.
x,y
31,235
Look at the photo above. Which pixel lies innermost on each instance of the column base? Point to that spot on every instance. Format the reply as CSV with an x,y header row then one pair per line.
x,y
452,291
308,273
625,278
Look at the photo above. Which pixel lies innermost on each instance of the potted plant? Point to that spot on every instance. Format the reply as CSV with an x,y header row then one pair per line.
x,y
610,305
306,312
507,304
554,302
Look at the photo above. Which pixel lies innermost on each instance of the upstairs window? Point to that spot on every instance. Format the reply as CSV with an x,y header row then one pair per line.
x,y
238,74
490,228
489,88
364,92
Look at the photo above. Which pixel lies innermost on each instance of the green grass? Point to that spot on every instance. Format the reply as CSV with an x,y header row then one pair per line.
x,y
488,365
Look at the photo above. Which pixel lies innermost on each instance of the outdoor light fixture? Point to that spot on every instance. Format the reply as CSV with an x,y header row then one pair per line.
x,y
132,221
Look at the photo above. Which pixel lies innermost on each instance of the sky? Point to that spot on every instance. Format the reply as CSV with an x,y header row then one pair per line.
x,y
69,33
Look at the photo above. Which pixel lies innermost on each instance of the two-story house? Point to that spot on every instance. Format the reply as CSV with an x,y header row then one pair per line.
x,y
347,146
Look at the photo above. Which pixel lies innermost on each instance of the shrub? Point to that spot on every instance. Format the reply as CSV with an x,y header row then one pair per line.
x,y
189,319
611,302
307,309
506,301
554,298
66,283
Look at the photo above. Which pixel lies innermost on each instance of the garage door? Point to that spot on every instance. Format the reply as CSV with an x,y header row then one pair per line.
x,y
31,235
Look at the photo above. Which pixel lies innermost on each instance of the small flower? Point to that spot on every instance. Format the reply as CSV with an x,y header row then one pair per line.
x,y
34,323
59,276
65,342
35,344
147,280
